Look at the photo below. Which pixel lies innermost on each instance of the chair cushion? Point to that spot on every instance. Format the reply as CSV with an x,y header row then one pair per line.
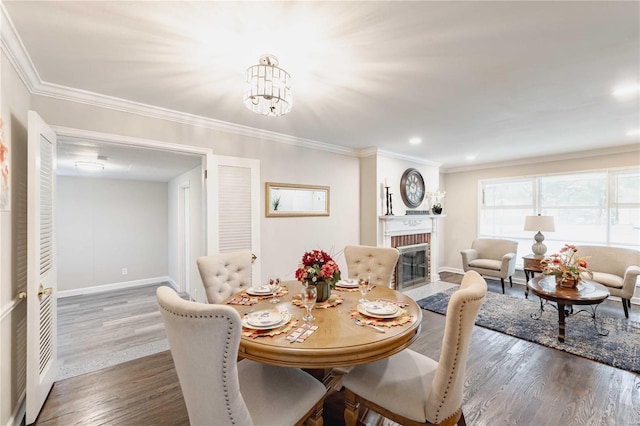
x,y
486,264
608,280
398,383
277,395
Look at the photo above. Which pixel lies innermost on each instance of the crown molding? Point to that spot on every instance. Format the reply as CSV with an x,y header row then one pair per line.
x,y
619,149
368,152
17,54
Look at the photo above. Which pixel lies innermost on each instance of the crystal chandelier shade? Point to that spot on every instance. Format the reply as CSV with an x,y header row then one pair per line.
x,y
268,88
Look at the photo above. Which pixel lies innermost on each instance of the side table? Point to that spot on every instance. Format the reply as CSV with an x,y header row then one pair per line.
x,y
531,266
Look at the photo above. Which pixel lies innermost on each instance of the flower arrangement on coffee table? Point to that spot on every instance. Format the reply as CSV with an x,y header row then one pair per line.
x,y
566,266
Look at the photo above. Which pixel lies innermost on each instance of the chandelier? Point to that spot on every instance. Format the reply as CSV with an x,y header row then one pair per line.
x,y
268,88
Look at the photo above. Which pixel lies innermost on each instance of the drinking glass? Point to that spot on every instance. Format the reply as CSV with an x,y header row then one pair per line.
x,y
274,286
309,296
363,285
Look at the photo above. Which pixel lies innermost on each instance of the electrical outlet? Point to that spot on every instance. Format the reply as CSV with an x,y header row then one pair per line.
x,y
125,271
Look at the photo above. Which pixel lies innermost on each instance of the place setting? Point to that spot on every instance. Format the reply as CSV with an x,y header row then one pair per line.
x,y
272,290
347,285
379,312
267,322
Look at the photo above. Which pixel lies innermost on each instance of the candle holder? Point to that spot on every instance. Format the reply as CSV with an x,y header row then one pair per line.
x,y
389,201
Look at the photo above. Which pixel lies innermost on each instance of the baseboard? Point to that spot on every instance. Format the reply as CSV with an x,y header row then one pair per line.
x,y
115,286
17,418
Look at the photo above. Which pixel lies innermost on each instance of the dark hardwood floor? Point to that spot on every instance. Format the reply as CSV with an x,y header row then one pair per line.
x,y
508,381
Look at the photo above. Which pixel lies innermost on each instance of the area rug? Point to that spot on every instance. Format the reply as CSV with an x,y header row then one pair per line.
x,y
512,316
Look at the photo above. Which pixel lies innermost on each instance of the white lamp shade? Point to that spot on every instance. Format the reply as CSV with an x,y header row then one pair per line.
x,y
539,223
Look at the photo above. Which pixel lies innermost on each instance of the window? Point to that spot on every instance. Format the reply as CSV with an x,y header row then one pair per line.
x,y
601,208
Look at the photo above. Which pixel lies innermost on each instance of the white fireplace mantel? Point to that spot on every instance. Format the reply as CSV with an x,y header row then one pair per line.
x,y
410,225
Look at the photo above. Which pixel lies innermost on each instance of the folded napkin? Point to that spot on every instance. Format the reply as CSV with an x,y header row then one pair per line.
x,y
299,334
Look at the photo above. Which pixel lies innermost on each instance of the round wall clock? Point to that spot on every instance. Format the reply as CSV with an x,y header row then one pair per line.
x,y
412,188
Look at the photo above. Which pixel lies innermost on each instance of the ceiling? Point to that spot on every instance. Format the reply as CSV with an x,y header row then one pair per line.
x,y
501,81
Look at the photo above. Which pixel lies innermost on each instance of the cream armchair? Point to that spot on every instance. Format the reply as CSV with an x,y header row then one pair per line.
x,y
412,389
491,257
225,274
204,341
616,268
378,263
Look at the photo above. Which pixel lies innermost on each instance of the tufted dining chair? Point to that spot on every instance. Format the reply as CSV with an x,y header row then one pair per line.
x,y
412,389
492,257
378,263
204,341
225,274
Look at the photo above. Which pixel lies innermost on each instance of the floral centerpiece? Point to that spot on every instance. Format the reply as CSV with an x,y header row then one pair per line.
x,y
319,269
566,266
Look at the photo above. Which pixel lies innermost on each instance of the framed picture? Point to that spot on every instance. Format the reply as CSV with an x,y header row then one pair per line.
x,y
289,200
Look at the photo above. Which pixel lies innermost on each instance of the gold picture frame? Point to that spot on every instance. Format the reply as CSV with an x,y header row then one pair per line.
x,y
292,200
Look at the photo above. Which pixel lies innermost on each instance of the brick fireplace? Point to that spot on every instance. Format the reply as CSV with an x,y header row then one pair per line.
x,y
412,234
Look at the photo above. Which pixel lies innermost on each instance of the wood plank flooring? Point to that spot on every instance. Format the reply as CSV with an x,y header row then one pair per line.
x,y
101,330
508,381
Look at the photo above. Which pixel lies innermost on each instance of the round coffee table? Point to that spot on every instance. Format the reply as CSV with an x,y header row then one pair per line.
x,y
587,293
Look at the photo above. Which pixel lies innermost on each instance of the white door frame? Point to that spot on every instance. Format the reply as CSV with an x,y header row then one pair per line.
x,y
184,237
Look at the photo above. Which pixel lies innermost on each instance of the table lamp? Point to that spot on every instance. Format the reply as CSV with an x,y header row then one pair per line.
x,y
539,223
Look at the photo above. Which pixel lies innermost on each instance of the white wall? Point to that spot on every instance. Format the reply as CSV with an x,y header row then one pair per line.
x,y
193,179
105,225
283,240
461,203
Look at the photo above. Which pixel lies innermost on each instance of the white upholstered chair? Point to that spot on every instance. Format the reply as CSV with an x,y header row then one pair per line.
x,y
412,389
225,274
491,257
218,390
616,268
378,263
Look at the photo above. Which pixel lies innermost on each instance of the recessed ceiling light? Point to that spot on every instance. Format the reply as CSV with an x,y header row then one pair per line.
x,y
89,165
634,132
415,141
471,157
626,90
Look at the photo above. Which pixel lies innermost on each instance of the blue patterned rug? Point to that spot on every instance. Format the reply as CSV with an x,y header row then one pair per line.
x,y
512,316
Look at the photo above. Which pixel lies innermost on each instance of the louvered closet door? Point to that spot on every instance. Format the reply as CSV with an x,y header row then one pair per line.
x,y
41,265
237,188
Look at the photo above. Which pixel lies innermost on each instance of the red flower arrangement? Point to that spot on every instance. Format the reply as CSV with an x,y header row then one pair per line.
x,y
317,266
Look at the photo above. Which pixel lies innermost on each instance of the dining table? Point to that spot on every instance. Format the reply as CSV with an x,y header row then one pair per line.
x,y
337,340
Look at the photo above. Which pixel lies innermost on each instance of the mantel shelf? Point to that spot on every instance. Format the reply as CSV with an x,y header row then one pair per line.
x,y
412,216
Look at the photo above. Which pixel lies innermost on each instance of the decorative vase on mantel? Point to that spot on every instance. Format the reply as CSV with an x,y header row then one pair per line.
x,y
567,282
323,290
436,208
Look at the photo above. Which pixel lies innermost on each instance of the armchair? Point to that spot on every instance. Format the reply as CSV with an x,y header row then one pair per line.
x,y
491,257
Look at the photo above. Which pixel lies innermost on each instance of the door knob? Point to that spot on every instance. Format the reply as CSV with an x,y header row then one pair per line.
x,y
42,290
22,295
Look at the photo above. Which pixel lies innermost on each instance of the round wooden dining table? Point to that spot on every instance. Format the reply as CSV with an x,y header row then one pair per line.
x,y
338,341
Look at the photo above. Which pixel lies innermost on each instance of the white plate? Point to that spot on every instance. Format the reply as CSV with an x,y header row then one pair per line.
x,y
263,290
347,283
253,321
375,309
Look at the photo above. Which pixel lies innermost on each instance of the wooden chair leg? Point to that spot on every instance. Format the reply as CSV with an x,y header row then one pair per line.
x,y
462,421
315,419
502,281
626,310
350,408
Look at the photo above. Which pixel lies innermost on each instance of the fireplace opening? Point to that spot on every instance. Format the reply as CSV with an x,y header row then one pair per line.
x,y
413,266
